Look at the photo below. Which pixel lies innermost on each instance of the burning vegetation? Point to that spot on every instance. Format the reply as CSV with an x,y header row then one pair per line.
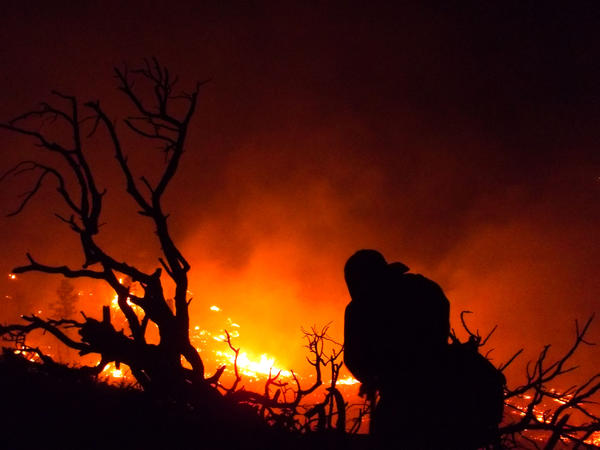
x,y
145,337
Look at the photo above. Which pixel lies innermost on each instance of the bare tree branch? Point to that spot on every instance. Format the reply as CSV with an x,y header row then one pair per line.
x,y
62,270
155,366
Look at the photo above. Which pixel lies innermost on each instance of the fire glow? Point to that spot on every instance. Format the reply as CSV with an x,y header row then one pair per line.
x,y
248,364
254,367
204,340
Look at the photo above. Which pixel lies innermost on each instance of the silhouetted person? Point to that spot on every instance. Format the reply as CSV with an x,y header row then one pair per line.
x,y
432,395
395,336
365,274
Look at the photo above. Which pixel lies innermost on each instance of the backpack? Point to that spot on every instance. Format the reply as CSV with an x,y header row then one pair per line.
x,y
474,390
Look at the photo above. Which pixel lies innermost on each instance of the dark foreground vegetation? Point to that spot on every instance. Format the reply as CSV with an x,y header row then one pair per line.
x,y
51,406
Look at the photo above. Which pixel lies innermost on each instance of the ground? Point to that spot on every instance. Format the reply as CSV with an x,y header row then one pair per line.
x,y
56,407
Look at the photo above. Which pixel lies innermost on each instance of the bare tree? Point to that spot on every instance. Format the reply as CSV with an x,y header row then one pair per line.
x,y
158,367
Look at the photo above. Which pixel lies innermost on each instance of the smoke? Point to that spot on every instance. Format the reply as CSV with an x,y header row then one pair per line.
x,y
460,141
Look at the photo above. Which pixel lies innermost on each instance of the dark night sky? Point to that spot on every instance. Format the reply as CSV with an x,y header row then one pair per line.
x,y
461,139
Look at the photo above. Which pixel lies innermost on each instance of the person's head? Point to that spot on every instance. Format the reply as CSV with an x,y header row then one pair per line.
x,y
364,273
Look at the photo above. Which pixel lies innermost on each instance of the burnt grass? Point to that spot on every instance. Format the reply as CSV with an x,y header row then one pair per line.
x,y
60,407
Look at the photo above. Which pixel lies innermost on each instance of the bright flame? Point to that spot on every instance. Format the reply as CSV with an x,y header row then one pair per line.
x,y
31,356
594,439
112,372
252,368
12,276
114,304
348,381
